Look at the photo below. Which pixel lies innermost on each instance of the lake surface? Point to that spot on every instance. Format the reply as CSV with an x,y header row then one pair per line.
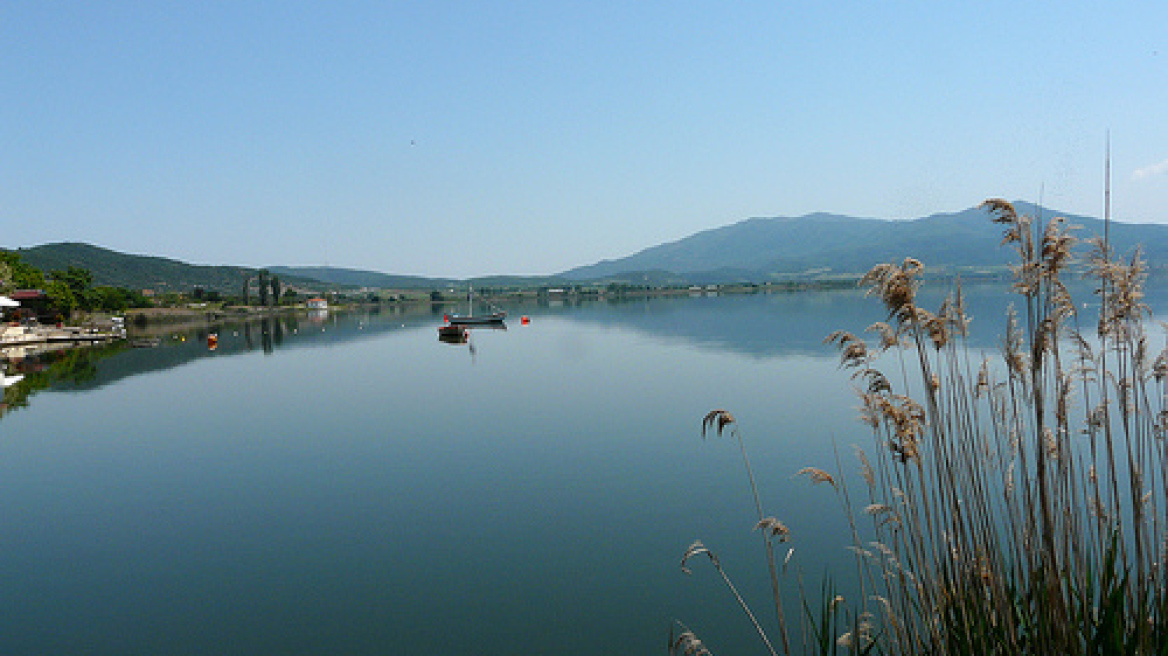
x,y
349,484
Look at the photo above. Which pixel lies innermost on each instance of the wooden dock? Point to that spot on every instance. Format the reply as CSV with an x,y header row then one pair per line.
x,y
31,335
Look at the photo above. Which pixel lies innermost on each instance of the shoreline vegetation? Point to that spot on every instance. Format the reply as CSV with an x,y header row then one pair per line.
x,y
443,301
1009,505
102,324
195,310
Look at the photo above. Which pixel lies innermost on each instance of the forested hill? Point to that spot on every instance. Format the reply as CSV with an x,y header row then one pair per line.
x,y
162,274
136,271
825,244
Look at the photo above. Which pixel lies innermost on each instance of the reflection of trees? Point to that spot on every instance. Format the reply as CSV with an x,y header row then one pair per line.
x,y
17,395
271,334
266,335
83,368
73,367
78,366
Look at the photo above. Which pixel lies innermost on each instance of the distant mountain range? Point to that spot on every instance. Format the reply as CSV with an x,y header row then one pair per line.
x,y
752,251
827,244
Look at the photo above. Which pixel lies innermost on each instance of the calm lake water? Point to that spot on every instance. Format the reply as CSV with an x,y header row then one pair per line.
x,y
349,484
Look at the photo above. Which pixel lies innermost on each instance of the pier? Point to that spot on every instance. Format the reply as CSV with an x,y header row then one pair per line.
x,y
11,336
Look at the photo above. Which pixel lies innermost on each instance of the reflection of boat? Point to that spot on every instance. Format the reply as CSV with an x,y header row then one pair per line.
x,y
469,319
453,334
6,380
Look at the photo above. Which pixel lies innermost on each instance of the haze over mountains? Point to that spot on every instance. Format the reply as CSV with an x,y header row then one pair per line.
x,y
751,251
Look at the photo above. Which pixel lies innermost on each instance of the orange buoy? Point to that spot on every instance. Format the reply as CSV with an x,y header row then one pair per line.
x,y
525,320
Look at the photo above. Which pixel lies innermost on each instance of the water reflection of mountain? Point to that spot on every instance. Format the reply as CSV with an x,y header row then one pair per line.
x,y
778,324
88,368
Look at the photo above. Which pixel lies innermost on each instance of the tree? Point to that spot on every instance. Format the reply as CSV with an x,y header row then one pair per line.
x,y
61,298
275,290
80,284
263,287
118,299
112,299
20,274
245,290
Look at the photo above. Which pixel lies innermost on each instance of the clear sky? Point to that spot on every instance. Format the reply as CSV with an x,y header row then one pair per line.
x,y
448,138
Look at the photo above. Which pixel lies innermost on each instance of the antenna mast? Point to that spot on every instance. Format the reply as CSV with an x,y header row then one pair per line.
x,y
1107,195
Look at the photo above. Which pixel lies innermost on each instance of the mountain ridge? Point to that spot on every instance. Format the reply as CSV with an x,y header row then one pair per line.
x,y
349,277
753,250
767,248
114,268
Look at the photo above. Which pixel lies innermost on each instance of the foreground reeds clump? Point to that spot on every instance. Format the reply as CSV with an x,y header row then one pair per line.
x,y
1014,505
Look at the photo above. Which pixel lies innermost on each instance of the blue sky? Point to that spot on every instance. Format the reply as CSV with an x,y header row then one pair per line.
x,y
474,138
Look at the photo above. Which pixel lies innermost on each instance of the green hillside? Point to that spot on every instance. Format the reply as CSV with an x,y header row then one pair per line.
x,y
139,272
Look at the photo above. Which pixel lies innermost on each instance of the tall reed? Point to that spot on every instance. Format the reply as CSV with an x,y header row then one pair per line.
x,y
1015,505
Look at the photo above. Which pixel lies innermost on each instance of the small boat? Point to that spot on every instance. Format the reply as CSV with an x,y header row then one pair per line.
x,y
469,319
494,318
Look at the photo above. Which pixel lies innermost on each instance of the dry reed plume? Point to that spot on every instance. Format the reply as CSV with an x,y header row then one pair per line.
x,y
1013,506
